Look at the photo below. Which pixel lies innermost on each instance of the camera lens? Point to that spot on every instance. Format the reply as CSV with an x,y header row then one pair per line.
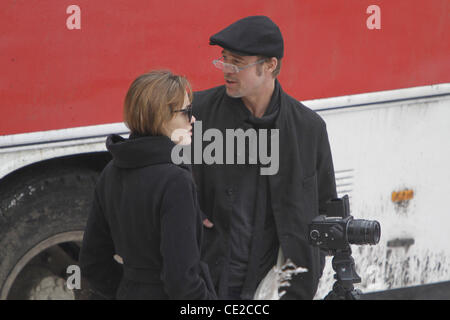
x,y
361,231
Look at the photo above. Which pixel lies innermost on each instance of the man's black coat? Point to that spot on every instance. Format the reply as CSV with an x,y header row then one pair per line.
x,y
145,210
304,182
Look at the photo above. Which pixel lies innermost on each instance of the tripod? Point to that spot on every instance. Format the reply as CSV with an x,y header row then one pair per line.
x,y
345,276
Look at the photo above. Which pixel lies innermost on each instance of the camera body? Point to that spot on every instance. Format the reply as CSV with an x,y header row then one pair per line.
x,y
338,229
327,232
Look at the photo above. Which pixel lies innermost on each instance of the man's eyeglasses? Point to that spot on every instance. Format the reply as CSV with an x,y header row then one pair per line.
x,y
187,111
231,68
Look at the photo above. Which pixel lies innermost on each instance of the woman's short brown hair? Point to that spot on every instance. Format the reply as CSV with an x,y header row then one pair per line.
x,y
151,100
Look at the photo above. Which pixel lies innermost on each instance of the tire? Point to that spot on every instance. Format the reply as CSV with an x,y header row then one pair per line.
x,y
42,218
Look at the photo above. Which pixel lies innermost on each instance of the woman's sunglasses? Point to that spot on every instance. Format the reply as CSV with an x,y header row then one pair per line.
x,y
187,111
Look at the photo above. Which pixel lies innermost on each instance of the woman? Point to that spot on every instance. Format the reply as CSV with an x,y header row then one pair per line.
x,y
145,208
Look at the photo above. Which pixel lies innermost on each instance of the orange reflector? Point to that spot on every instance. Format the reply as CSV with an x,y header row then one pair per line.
x,y
403,195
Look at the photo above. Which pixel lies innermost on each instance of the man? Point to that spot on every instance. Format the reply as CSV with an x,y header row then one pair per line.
x,y
248,215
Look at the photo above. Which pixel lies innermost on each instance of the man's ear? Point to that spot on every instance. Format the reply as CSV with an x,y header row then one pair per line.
x,y
272,64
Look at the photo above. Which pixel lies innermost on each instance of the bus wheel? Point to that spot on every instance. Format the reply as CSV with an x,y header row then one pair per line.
x,y
41,228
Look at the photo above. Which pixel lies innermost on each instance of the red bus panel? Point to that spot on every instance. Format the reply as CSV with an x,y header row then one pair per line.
x,y
54,77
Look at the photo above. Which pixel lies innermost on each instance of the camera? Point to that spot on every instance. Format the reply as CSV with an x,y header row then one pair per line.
x,y
337,229
333,233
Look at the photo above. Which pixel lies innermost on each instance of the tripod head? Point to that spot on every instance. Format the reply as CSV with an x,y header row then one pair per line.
x,y
344,266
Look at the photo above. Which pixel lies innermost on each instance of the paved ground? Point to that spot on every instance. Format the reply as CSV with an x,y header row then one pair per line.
x,y
437,291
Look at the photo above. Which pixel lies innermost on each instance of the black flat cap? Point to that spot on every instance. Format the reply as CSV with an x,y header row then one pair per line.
x,y
251,36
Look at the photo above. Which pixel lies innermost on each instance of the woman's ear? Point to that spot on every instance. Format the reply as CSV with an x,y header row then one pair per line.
x,y
164,130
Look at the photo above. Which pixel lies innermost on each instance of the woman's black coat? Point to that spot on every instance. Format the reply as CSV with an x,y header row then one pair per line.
x,y
145,210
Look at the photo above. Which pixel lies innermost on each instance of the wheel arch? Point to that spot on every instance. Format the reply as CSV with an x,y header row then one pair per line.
x,y
95,161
